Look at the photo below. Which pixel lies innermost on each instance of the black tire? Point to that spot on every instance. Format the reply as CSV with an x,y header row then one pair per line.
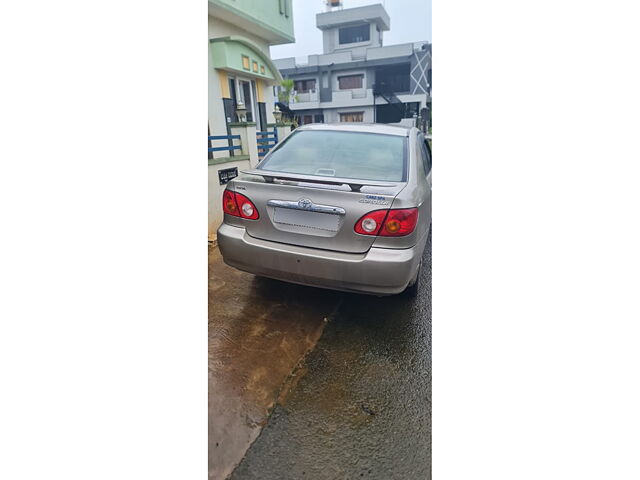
x,y
412,289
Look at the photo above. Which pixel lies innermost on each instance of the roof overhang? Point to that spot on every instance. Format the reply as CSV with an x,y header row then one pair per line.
x,y
251,20
304,69
240,55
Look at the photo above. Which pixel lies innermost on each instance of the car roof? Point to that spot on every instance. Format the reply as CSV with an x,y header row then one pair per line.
x,y
360,127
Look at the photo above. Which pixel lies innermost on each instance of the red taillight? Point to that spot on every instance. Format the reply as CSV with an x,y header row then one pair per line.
x,y
388,223
229,204
247,208
238,205
370,223
400,222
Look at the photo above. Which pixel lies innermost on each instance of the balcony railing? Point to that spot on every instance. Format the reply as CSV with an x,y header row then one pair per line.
x,y
310,96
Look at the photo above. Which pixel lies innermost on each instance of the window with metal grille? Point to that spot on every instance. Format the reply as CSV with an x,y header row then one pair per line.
x,y
352,117
304,86
355,34
349,82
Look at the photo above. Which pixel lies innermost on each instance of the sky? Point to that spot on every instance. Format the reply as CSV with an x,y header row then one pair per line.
x,y
410,22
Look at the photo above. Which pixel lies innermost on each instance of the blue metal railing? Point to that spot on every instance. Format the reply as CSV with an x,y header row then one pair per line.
x,y
266,141
229,147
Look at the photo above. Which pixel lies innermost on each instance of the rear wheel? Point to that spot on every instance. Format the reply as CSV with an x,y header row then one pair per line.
x,y
412,288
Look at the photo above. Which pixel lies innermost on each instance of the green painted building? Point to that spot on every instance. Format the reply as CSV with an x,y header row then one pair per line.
x,y
241,78
240,69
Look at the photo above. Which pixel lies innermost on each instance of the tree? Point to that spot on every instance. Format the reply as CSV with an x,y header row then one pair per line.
x,y
286,91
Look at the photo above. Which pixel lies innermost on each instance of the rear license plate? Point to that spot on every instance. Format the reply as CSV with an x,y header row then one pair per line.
x,y
300,218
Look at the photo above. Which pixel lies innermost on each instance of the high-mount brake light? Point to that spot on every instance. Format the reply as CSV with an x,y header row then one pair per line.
x,y
388,223
238,205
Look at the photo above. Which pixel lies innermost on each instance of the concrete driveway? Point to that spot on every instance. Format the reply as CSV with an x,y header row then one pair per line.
x,y
308,383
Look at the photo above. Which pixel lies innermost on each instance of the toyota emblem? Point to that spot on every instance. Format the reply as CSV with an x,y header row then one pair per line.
x,y
305,203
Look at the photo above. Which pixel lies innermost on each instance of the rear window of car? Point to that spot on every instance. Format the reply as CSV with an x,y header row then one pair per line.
x,y
357,155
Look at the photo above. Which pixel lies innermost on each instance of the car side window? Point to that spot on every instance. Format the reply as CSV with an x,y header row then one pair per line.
x,y
426,155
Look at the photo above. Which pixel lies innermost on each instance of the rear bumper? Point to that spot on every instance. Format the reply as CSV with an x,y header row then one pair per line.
x,y
380,271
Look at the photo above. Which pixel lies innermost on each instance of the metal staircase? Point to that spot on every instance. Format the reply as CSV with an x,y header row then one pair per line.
x,y
383,90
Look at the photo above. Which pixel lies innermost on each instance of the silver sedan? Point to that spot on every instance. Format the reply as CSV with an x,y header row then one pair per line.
x,y
345,207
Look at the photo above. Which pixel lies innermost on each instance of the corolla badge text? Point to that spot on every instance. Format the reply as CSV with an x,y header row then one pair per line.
x,y
374,199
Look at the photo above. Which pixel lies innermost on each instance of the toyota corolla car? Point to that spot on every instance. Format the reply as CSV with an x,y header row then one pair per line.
x,y
345,207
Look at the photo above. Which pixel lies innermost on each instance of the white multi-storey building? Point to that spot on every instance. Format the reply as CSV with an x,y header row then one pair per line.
x,y
357,78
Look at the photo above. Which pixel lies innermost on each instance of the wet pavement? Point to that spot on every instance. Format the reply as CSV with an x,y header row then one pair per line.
x,y
259,331
359,404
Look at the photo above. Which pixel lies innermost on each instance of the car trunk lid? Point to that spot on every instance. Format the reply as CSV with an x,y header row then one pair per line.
x,y
313,211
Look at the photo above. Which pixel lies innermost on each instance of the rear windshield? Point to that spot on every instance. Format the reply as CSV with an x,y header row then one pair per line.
x,y
364,156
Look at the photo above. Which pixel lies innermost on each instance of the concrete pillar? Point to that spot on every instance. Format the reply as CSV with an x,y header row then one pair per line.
x,y
248,140
283,131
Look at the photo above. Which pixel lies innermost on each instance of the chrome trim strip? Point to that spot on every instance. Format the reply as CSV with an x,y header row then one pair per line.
x,y
310,208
